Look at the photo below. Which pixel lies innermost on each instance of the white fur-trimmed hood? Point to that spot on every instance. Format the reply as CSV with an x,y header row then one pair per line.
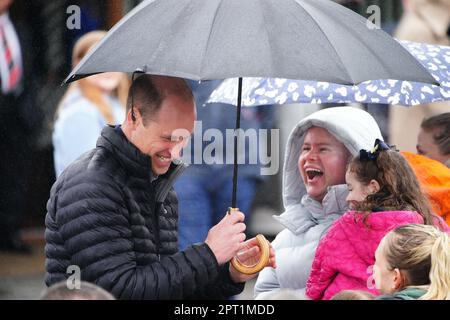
x,y
354,127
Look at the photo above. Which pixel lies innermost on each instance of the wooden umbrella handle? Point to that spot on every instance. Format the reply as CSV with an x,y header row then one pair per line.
x,y
262,262
263,259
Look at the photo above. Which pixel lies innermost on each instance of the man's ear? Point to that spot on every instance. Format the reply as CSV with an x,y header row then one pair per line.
x,y
398,281
374,186
137,116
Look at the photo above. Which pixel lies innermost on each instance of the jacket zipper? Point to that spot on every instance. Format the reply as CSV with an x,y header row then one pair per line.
x,y
156,225
160,196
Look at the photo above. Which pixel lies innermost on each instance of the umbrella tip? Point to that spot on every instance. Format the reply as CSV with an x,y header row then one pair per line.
x,y
141,70
64,82
69,78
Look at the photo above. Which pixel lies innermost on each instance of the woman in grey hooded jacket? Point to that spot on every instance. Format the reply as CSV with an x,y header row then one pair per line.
x,y
309,212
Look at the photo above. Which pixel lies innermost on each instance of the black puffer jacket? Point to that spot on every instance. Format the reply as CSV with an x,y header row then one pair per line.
x,y
106,217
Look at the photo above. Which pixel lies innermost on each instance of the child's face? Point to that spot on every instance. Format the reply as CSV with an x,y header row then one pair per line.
x,y
427,147
357,191
386,280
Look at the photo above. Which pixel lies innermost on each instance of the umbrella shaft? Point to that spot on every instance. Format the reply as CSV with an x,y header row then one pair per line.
x,y
236,141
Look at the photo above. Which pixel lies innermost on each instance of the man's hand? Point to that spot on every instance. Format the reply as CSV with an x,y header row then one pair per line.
x,y
225,238
249,254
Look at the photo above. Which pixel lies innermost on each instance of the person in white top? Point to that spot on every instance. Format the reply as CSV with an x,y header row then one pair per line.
x,y
88,105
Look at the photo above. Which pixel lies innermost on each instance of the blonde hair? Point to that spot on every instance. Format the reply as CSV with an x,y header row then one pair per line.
x,y
353,295
422,254
94,94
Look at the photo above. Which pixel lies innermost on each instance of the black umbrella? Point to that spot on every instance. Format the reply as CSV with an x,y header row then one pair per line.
x,y
217,39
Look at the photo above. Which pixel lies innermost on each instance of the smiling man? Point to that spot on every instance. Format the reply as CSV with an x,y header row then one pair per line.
x,y
113,212
314,190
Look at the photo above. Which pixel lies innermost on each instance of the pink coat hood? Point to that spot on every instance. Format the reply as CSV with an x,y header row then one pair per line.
x,y
345,256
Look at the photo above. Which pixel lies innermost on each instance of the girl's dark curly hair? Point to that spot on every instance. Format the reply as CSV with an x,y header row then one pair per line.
x,y
399,187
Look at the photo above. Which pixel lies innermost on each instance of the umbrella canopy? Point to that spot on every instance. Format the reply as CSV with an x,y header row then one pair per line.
x,y
218,39
267,91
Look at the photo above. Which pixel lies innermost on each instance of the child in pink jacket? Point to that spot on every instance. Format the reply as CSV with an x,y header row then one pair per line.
x,y
383,194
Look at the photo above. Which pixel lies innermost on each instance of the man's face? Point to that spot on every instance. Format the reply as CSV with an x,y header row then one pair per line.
x,y
427,147
164,136
322,162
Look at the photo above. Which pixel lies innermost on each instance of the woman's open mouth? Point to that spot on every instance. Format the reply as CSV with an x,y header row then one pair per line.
x,y
313,174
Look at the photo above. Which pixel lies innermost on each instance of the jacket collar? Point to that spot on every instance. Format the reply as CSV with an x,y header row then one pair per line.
x,y
137,163
333,202
411,293
132,159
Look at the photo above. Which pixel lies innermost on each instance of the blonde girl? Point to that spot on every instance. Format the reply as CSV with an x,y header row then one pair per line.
x,y
413,262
